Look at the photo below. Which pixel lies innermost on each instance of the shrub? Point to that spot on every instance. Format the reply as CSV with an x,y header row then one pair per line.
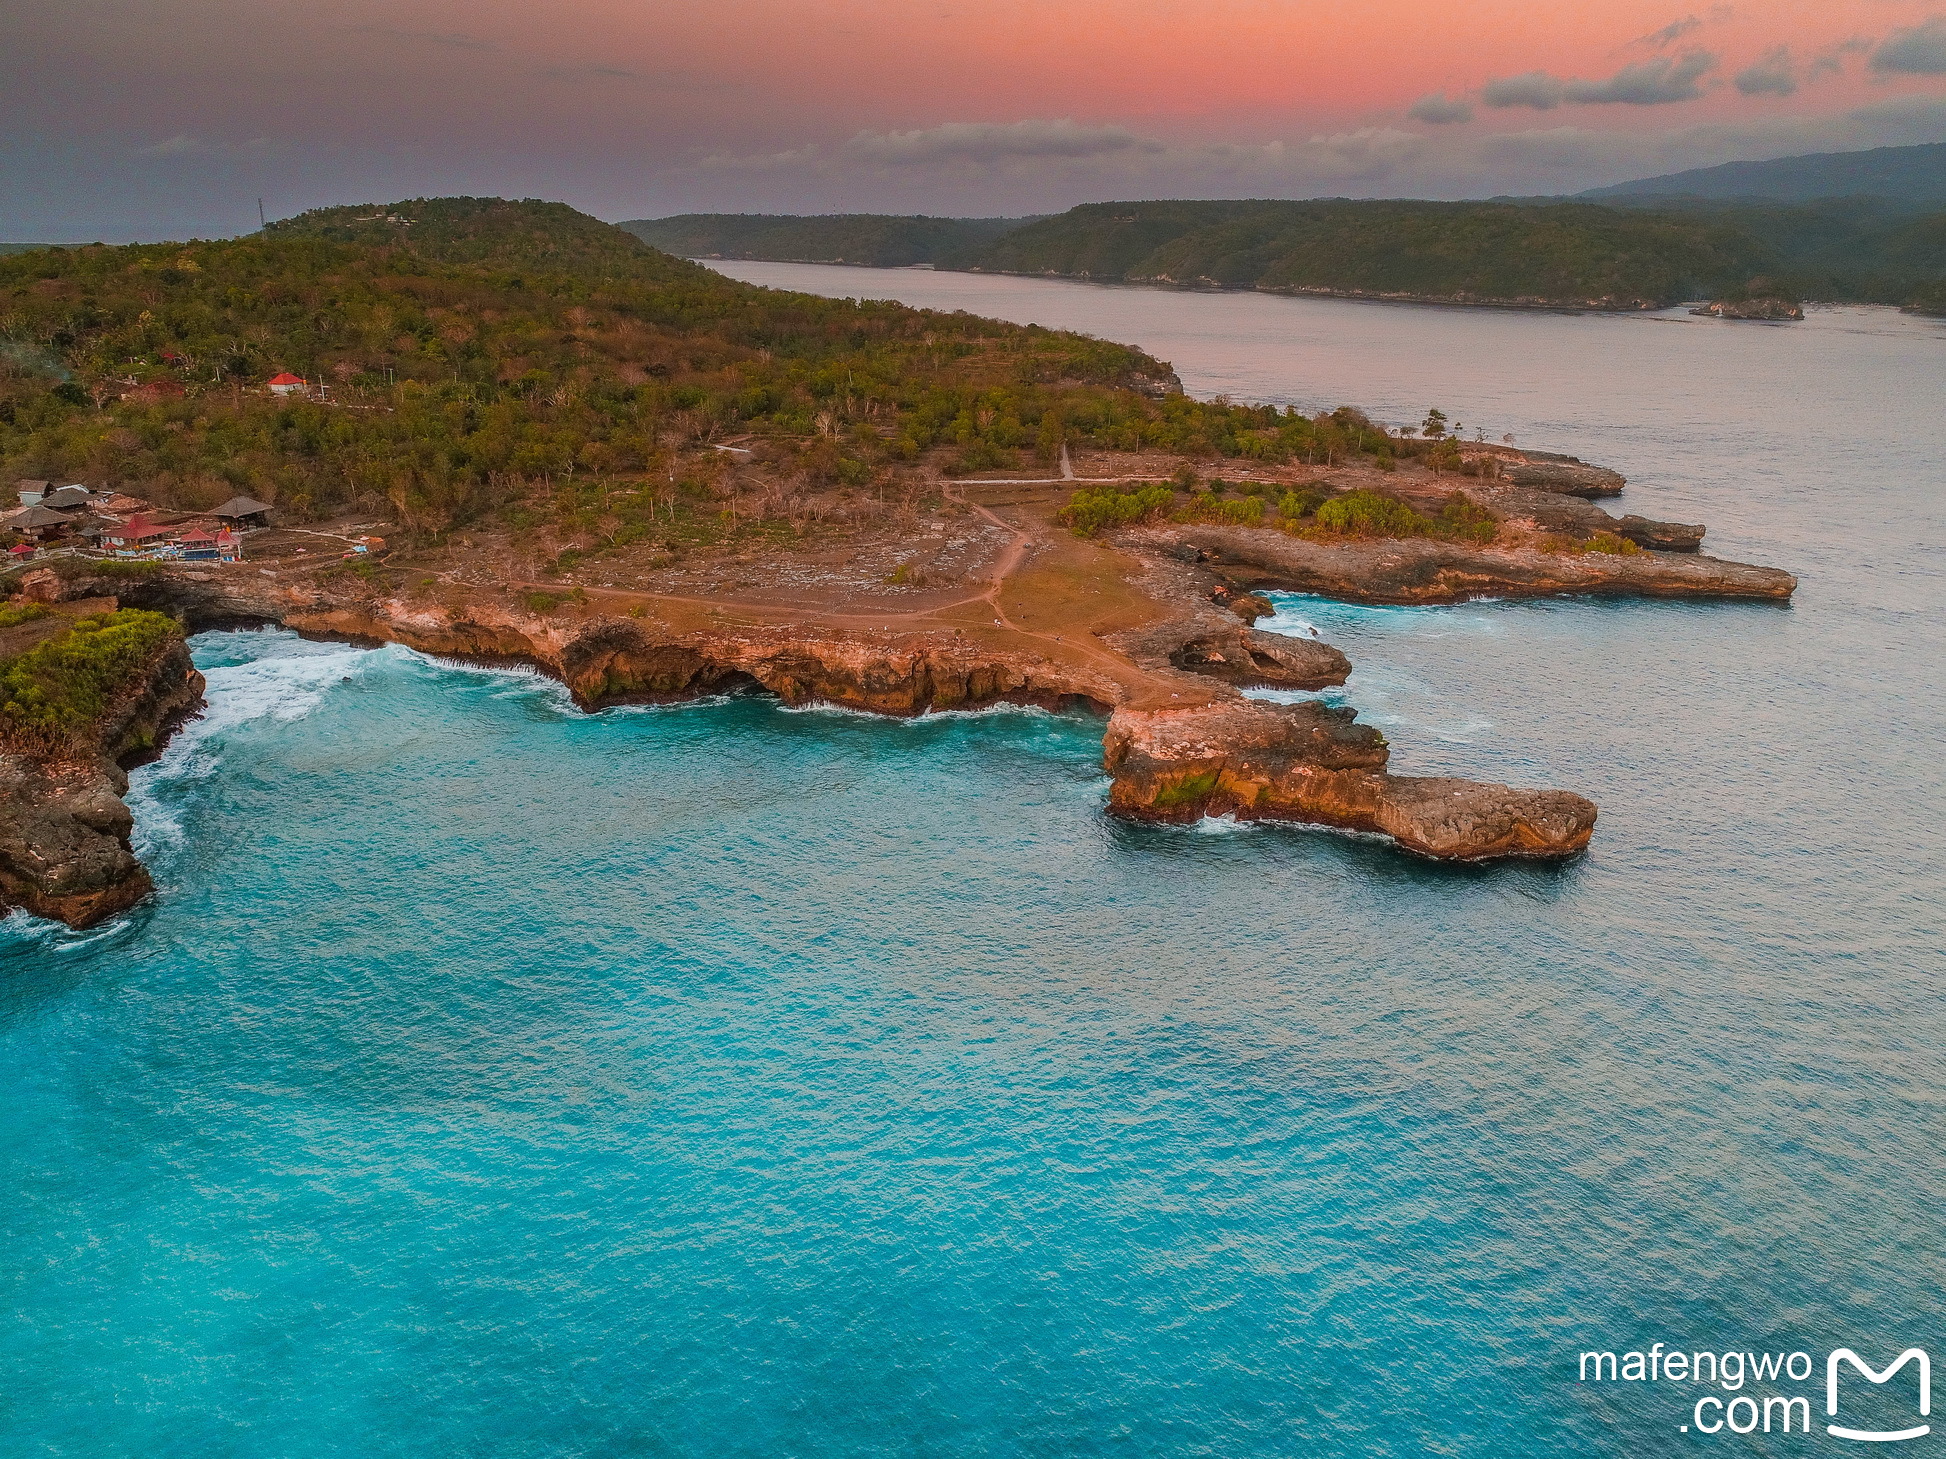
x,y
1091,509
1610,543
1302,502
24,613
55,692
1205,507
1364,513
1464,520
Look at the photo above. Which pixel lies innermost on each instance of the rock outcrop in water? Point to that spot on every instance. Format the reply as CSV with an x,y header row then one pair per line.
x,y
1567,475
1308,762
65,850
1418,570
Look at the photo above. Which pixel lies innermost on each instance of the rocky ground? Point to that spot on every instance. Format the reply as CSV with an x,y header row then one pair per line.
x,y
957,595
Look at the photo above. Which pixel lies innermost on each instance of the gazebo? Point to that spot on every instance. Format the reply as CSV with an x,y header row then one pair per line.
x,y
245,511
36,521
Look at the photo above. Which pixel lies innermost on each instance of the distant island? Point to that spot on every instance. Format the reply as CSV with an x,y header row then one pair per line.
x,y
1709,235
508,432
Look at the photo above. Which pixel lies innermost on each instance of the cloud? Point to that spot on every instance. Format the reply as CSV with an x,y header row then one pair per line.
x,y
976,145
1438,109
1536,89
1919,51
1772,75
1674,31
1649,83
993,142
1659,82
939,174
1831,60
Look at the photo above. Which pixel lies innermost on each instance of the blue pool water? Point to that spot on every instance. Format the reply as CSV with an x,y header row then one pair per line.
x,y
491,1079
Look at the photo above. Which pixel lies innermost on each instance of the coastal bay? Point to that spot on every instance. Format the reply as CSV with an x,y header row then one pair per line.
x,y
867,1077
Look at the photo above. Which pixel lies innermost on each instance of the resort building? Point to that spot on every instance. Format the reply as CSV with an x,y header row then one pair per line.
x,y
244,511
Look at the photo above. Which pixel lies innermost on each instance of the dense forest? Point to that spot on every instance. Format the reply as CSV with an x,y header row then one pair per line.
x,y
466,353
876,239
1627,254
1573,254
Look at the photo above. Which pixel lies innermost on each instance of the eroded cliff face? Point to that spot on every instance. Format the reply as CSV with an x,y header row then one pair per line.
x,y
1312,763
65,833
65,850
607,661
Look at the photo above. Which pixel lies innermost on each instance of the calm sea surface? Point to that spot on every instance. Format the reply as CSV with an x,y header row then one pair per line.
x,y
493,1080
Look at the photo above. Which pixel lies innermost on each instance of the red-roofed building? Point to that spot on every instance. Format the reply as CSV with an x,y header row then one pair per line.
x,y
137,535
286,384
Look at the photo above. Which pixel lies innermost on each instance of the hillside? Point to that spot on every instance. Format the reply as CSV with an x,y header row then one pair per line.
x,y
1910,175
876,239
1842,250
463,353
1568,255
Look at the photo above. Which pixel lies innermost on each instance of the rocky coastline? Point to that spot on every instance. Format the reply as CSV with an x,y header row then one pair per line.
x,y
66,850
1150,626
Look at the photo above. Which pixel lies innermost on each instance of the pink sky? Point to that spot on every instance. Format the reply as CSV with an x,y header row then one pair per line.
x,y
137,116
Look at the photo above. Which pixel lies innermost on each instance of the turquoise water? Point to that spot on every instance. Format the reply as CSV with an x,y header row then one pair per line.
x,y
492,1079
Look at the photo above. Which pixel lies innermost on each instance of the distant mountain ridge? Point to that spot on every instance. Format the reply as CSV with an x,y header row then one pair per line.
x,y
1915,175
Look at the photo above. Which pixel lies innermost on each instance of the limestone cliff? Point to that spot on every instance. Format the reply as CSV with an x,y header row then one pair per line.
x,y
1308,762
65,849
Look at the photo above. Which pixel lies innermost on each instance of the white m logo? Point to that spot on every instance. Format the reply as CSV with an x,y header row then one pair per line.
x,y
1877,1436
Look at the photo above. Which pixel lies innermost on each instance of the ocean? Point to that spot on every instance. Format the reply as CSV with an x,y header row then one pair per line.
x,y
492,1079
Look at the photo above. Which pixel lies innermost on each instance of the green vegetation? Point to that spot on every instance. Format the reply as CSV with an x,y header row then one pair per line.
x,y
1366,513
487,359
1093,508
1561,254
1843,250
1929,300
1208,507
13,616
1186,791
54,693
861,238
1661,251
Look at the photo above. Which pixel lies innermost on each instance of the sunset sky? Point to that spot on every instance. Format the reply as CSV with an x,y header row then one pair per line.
x,y
162,118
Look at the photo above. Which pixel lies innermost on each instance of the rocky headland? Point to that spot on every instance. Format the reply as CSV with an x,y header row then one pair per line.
x,y
65,832
1149,625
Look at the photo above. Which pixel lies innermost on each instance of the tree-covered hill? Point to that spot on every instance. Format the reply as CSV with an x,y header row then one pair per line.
x,y
1564,254
881,240
461,350
1842,250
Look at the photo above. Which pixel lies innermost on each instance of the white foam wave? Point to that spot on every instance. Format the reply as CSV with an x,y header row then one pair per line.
x,y
1224,825
24,926
284,684
930,716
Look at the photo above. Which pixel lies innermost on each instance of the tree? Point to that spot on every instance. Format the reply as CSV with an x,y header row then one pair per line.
x,y
1434,426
